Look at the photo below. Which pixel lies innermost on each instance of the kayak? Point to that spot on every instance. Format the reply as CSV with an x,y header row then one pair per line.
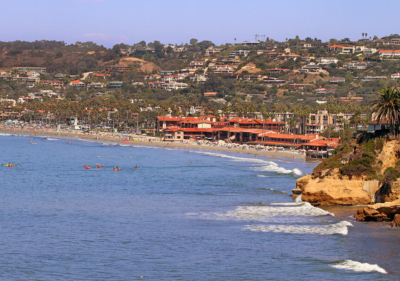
x,y
88,168
115,169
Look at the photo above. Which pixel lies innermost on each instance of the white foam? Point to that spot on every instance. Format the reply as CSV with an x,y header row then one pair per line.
x,y
262,213
51,139
297,171
268,166
337,228
358,266
298,199
262,176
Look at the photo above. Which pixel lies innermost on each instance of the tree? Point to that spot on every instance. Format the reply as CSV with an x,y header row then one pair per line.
x,y
158,47
117,49
59,54
169,50
363,34
193,41
387,106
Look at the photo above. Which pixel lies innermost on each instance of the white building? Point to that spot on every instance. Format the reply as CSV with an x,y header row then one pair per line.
x,y
327,60
174,86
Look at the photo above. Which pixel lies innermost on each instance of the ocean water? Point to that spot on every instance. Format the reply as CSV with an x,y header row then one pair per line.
x,y
182,215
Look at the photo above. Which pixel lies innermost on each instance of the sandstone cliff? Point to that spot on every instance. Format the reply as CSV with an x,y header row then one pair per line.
x,y
332,189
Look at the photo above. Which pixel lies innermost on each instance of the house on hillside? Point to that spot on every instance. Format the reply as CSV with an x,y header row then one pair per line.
x,y
336,80
53,83
299,86
174,86
33,74
304,45
388,54
118,67
311,68
59,76
41,70
211,51
355,65
335,48
115,85
395,76
76,83
395,41
327,60
197,64
95,85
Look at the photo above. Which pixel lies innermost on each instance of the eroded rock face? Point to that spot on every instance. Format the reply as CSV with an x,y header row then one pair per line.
x,y
394,195
389,155
329,190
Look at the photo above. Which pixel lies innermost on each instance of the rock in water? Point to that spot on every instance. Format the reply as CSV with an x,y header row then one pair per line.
x,y
379,212
396,221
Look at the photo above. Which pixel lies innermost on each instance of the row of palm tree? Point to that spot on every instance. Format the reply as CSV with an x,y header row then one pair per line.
x,y
97,110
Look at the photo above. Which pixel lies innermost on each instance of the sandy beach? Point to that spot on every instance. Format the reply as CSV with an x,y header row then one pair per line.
x,y
144,140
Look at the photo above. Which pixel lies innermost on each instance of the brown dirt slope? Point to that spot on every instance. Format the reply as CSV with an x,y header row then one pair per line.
x,y
142,65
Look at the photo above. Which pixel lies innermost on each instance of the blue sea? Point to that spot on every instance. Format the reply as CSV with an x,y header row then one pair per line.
x,y
181,215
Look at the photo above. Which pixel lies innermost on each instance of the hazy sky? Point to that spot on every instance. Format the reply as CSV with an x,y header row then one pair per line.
x,y
109,22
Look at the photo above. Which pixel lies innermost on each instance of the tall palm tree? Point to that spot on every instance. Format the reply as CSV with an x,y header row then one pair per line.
x,y
387,106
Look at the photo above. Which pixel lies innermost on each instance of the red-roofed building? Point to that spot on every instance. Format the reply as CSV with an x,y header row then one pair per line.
x,y
335,48
389,53
210,94
77,83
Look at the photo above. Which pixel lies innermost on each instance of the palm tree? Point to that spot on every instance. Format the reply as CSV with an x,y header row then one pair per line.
x,y
363,34
387,106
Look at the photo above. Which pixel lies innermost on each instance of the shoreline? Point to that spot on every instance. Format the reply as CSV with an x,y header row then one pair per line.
x,y
147,141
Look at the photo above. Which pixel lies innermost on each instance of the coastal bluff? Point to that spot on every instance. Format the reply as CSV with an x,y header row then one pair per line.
x,y
361,172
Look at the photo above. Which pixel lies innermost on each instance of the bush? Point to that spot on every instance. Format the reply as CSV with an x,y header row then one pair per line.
x,y
359,167
335,164
369,147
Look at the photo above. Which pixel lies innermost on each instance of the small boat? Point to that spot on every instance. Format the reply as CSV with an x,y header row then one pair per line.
x,y
85,166
99,166
88,168
117,169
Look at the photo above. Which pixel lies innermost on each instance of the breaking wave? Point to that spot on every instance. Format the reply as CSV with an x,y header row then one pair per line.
x,y
268,166
262,213
358,266
336,228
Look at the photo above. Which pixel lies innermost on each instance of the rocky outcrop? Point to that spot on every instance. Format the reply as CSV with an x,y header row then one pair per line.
x,y
379,212
396,221
330,189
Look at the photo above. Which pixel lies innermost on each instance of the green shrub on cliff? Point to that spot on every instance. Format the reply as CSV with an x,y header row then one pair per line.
x,y
335,160
360,166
